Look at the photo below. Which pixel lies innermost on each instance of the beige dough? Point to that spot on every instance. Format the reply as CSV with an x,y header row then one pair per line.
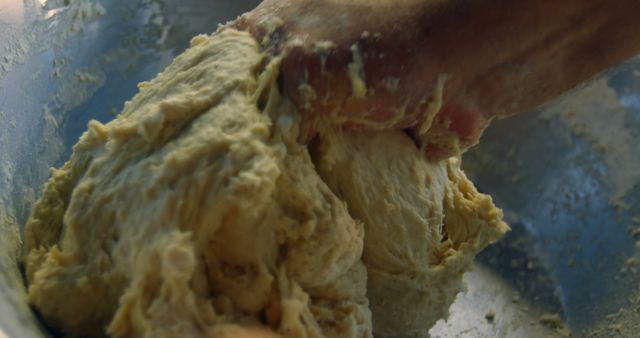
x,y
424,223
196,213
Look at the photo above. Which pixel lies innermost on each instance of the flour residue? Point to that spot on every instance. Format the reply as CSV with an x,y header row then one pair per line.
x,y
82,13
596,115
78,87
621,323
51,23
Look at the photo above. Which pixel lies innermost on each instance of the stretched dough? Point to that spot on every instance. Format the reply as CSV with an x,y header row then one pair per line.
x,y
424,223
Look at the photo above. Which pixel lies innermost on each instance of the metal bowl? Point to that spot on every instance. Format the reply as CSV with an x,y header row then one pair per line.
x,y
566,175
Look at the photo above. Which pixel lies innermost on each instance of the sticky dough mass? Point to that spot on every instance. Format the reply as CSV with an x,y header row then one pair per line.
x,y
195,213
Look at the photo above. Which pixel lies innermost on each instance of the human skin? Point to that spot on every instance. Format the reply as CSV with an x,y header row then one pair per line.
x,y
500,57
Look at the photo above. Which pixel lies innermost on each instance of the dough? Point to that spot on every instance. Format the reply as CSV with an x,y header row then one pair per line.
x,y
196,213
424,223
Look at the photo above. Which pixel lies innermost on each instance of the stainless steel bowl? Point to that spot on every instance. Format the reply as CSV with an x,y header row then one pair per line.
x,y
567,175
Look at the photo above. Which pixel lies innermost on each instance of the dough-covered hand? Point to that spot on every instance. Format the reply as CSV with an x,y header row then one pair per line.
x,y
440,69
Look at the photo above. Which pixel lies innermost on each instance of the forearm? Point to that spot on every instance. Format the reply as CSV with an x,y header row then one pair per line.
x,y
500,57
530,51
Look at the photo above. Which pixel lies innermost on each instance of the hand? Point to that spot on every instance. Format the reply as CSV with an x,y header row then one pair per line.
x,y
491,57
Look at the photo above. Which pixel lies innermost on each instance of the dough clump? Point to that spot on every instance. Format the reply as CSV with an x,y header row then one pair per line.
x,y
196,213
